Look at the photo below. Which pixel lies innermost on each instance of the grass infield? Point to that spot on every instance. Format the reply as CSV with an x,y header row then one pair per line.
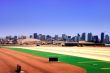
x,y
90,65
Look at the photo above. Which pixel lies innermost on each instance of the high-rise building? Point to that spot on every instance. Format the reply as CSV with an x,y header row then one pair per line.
x,y
48,38
102,37
14,39
106,39
41,37
96,39
56,37
30,36
23,37
75,38
35,36
9,37
78,37
89,37
68,39
83,37
64,37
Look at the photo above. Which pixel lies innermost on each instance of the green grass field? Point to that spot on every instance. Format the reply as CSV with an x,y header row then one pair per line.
x,y
90,65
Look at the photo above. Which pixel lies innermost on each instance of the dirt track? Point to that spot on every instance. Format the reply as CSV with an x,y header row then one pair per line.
x,y
32,64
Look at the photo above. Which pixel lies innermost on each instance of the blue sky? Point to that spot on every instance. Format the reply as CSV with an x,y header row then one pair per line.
x,y
54,16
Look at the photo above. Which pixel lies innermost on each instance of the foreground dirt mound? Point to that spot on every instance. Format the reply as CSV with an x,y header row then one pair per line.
x,y
32,64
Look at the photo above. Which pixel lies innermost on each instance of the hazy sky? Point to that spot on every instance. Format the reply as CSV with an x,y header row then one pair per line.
x,y
54,16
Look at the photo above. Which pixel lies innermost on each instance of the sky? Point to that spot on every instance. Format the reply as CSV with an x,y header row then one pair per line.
x,y
25,17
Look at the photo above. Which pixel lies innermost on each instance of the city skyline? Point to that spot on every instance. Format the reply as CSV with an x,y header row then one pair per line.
x,y
83,33
24,17
87,37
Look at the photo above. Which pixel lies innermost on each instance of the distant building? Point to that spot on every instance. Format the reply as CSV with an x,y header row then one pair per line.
x,y
23,37
30,36
106,39
8,37
64,37
83,37
15,40
68,39
15,37
95,39
35,36
78,37
48,38
56,37
102,37
89,37
41,37
75,39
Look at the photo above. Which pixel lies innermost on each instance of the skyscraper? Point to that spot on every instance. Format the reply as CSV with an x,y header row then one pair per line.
x,y
78,37
9,37
68,39
89,37
75,39
64,37
30,36
96,39
48,38
41,37
35,36
14,39
83,37
102,37
56,37
106,39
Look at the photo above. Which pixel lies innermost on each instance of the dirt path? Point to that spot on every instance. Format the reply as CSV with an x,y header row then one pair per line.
x,y
33,64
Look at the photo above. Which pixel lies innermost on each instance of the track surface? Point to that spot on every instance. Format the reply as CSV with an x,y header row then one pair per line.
x,y
32,64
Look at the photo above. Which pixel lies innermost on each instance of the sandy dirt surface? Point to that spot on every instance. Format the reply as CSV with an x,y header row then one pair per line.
x,y
32,64
99,53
